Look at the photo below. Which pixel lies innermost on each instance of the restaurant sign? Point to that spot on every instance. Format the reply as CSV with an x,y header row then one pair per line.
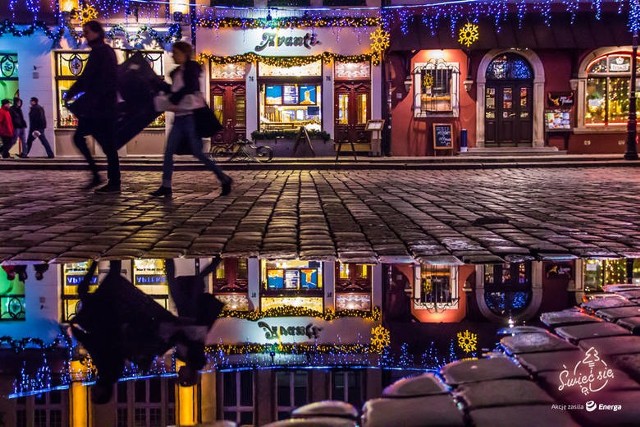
x,y
272,39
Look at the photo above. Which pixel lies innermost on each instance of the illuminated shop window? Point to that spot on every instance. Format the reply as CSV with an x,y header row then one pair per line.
x,y
156,61
146,402
600,272
230,283
69,66
8,75
288,101
291,390
237,396
150,276
292,283
348,386
12,278
636,271
606,93
353,286
507,288
352,70
72,275
438,287
436,88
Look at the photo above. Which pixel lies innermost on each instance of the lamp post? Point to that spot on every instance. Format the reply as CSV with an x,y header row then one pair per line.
x,y
632,152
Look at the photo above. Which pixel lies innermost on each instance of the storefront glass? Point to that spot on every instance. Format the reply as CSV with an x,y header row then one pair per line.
x,y
288,101
600,272
436,88
8,75
72,276
292,283
69,66
507,288
606,98
149,275
12,305
438,286
353,286
230,283
156,61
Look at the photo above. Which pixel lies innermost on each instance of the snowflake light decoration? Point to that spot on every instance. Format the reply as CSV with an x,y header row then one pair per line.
x,y
379,43
467,341
380,338
468,34
85,14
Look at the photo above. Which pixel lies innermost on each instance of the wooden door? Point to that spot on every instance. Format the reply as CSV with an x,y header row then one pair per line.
x,y
508,113
352,110
228,101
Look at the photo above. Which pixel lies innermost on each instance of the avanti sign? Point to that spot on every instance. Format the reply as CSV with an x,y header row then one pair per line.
x,y
276,332
272,39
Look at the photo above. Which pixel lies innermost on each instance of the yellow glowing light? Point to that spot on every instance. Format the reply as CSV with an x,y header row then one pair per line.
x,y
468,34
181,6
467,341
85,14
380,41
380,338
68,5
186,403
79,399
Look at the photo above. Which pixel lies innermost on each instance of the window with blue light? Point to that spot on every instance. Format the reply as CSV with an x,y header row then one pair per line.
x,y
292,276
509,66
507,288
12,297
8,75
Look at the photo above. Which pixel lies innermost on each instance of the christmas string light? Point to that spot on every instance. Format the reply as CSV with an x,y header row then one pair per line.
x,y
291,311
286,62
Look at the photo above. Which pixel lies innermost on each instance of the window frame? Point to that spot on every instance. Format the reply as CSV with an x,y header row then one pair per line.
x,y
128,53
238,408
292,389
360,379
454,88
454,300
58,77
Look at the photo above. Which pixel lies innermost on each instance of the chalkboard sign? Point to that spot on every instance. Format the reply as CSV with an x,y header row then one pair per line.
x,y
443,136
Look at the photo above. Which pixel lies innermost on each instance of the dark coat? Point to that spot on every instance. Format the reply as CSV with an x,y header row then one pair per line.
x,y
37,119
191,77
98,81
17,117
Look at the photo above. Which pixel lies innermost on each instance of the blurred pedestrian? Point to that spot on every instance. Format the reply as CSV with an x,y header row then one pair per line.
x,y
6,127
37,125
96,112
19,126
185,97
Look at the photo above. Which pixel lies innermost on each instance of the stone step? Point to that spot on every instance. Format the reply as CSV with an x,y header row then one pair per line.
x,y
513,151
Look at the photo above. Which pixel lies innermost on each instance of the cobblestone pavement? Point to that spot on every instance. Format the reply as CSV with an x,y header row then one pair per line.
x,y
469,216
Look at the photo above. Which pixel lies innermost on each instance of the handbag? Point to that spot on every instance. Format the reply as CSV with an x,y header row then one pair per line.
x,y
207,124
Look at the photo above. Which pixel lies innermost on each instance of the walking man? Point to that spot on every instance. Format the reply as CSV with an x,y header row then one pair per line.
x,y
19,126
96,114
6,128
37,125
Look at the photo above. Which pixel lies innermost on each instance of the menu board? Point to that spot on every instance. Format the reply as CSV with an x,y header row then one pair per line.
x,y
273,95
557,120
443,136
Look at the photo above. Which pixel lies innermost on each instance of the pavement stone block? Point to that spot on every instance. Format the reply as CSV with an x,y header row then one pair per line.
x,y
469,371
526,416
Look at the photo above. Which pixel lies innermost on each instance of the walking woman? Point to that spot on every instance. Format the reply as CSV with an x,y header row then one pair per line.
x,y
186,97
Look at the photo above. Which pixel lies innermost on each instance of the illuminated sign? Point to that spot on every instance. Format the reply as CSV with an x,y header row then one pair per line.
x,y
276,332
591,374
271,39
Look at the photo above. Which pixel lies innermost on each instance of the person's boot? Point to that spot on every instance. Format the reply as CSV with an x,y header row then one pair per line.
x,y
226,186
108,189
95,181
162,191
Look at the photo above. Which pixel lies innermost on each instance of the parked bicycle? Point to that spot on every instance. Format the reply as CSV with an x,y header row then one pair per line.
x,y
242,149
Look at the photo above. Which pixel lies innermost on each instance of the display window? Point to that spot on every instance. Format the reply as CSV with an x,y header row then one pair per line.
x,y
437,287
8,75
292,283
606,93
507,288
600,272
436,88
353,286
288,101
150,276
69,66
72,276
12,303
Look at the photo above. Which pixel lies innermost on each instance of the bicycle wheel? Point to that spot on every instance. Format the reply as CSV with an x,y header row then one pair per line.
x,y
264,154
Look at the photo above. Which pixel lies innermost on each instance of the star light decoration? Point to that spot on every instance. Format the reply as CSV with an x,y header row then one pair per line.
x,y
85,14
468,34
379,44
380,338
467,341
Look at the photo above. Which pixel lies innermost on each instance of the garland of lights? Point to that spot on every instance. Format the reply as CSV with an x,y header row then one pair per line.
x,y
291,311
19,345
234,349
289,22
53,33
174,33
287,61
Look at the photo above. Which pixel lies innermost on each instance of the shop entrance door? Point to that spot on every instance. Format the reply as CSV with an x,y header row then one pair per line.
x,y
228,100
508,102
352,110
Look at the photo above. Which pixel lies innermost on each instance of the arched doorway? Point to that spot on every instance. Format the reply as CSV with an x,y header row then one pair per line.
x,y
509,102
535,92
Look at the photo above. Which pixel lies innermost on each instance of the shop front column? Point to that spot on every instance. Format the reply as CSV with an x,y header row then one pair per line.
x,y
329,269
253,272
186,403
376,286
577,287
208,397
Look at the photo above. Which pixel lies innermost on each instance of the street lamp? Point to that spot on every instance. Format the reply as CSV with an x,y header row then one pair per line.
x,y
632,152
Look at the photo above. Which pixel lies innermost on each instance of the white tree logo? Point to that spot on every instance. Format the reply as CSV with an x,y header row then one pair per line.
x,y
591,374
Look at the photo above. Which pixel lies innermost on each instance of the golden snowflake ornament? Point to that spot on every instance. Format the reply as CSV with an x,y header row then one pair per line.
x,y
380,338
468,34
85,14
467,341
379,43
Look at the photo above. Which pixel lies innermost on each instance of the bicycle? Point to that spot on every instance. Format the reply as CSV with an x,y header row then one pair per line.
x,y
242,149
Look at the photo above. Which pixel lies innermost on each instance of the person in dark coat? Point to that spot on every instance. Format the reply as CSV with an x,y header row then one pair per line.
x,y
6,128
37,125
19,125
97,87
186,97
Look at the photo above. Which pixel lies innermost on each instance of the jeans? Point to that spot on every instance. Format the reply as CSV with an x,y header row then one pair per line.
x,y
7,142
184,128
20,133
43,140
103,130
